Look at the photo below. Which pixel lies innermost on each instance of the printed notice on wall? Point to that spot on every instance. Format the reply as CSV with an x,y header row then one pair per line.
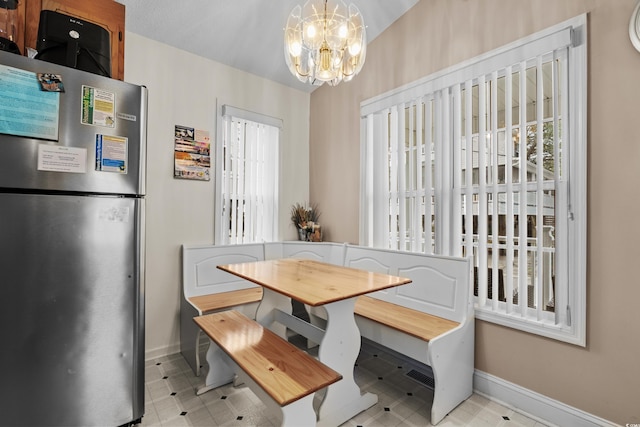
x,y
26,110
98,107
192,156
62,159
111,153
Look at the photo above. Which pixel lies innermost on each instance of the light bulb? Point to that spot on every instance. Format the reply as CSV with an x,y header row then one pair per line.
x,y
311,31
343,31
355,48
295,48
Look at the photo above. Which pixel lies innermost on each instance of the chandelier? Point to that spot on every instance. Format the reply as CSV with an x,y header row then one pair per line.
x,y
325,41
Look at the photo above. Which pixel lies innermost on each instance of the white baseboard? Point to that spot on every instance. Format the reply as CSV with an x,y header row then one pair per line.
x,y
161,351
534,405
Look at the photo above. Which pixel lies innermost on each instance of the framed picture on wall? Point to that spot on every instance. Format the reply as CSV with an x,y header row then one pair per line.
x,y
192,154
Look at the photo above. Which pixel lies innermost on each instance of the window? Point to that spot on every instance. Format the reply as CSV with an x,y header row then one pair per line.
x,y
488,159
247,177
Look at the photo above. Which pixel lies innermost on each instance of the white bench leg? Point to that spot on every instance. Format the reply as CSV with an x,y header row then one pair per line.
x,y
296,414
299,413
453,366
221,369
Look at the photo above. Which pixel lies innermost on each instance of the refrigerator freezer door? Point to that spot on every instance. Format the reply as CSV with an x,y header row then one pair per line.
x,y
71,310
39,164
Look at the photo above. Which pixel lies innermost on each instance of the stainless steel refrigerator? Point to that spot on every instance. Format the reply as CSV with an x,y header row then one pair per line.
x,y
72,209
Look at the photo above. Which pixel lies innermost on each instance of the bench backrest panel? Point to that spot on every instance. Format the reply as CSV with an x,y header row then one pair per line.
x,y
331,253
200,274
440,285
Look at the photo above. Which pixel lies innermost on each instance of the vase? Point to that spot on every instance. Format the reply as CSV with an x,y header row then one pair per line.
x,y
302,234
316,234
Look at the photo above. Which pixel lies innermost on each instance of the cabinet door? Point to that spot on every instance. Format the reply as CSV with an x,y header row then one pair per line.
x,y
106,13
20,27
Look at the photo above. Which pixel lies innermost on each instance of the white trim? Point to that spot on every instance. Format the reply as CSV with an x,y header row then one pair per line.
x,y
165,350
228,110
266,225
543,328
533,405
577,192
366,160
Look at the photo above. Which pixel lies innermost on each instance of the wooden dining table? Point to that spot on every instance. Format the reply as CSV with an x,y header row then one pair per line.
x,y
335,288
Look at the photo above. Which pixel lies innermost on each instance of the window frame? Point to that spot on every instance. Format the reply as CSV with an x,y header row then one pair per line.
x,y
227,111
570,319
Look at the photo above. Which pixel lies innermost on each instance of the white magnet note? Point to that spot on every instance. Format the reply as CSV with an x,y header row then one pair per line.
x,y
62,159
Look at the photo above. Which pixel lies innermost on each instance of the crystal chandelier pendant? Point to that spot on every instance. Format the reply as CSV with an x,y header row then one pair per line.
x,y
325,41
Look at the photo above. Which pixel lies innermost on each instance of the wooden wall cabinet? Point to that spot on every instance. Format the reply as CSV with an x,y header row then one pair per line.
x,y
106,13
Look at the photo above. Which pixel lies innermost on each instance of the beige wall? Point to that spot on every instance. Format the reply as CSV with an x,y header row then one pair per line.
x,y
603,378
184,90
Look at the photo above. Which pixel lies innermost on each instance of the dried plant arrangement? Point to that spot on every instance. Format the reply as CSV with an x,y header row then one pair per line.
x,y
305,218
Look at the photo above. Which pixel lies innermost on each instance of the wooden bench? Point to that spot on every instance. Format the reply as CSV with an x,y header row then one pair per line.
x,y
214,302
205,289
421,325
430,320
284,377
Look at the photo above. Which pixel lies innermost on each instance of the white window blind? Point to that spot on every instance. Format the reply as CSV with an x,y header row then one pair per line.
x,y
247,178
488,159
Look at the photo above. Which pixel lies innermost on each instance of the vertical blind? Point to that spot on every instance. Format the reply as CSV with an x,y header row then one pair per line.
x,y
474,161
249,162
513,190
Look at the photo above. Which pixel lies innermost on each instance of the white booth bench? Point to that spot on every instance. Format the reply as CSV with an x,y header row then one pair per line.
x,y
430,320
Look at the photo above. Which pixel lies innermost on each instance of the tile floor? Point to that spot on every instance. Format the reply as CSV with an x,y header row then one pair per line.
x,y
402,401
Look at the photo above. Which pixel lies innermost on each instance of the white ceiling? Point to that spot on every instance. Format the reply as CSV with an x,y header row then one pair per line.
x,y
244,34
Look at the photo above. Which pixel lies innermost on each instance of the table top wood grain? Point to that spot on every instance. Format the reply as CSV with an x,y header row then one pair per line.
x,y
312,282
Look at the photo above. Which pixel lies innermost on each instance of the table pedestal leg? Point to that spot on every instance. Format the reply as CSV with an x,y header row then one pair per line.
x,y
339,350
